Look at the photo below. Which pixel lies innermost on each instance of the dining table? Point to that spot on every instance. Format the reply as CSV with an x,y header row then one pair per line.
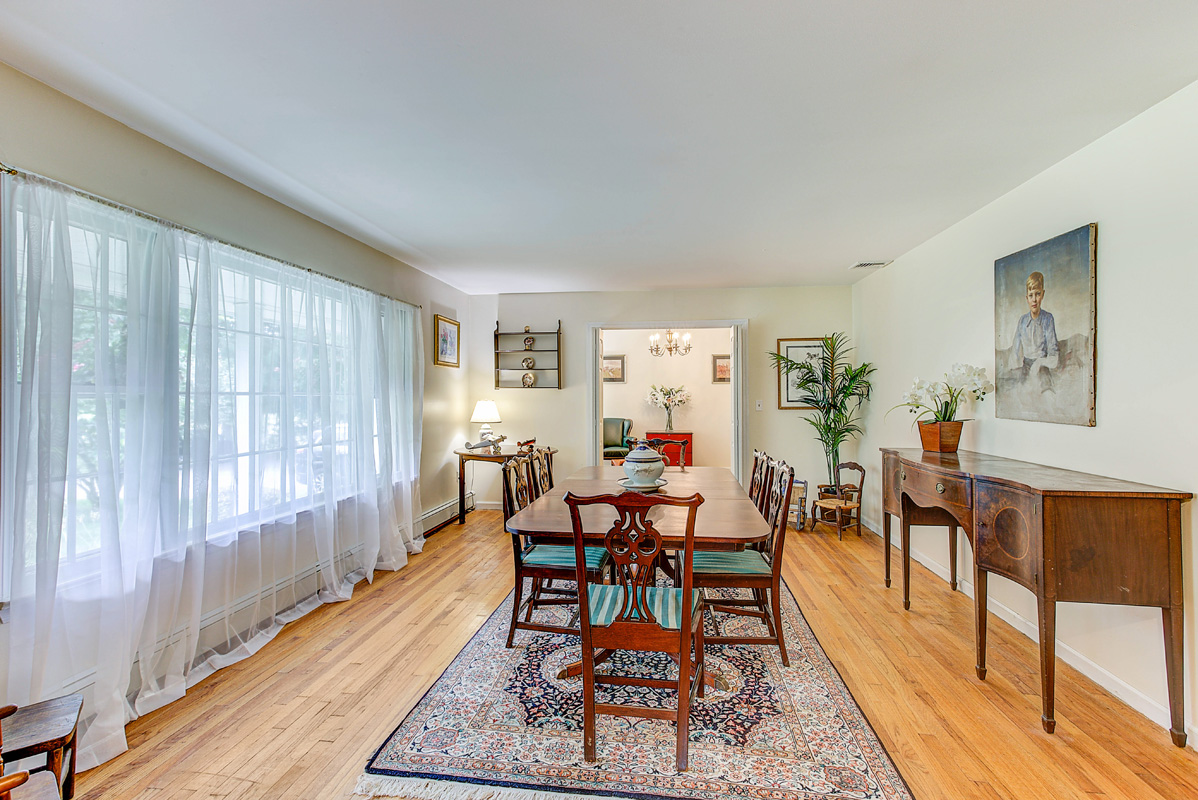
x,y
727,520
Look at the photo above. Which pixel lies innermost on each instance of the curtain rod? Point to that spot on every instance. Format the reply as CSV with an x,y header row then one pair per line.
x,y
5,168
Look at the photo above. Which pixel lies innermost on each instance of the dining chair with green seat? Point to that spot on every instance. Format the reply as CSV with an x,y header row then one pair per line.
x,y
542,563
616,433
755,570
634,613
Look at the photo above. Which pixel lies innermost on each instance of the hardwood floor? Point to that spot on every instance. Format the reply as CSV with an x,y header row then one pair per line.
x,y
300,718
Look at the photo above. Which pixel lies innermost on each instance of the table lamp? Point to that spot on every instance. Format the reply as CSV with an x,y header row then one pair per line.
x,y
486,413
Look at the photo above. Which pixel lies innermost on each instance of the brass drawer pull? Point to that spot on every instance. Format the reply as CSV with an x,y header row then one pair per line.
x,y
940,488
904,475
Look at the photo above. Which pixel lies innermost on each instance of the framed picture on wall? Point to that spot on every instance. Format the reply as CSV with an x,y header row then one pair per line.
x,y
445,341
612,368
809,349
721,369
1045,327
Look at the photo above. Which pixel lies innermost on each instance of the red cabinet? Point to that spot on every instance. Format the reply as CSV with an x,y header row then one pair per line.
x,y
672,451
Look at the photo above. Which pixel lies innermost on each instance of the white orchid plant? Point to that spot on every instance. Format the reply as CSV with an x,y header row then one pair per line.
x,y
667,397
943,399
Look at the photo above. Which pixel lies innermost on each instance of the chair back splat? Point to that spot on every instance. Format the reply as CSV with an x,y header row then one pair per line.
x,y
777,508
540,464
758,477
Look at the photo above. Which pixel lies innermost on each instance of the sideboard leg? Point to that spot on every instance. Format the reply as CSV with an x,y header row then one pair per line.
x,y
1048,661
952,557
979,625
886,538
1174,637
906,543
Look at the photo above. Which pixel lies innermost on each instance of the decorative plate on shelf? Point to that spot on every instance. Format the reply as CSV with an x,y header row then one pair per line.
x,y
529,362
528,379
529,342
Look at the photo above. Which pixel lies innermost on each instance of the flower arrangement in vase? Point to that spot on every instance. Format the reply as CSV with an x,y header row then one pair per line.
x,y
942,400
669,399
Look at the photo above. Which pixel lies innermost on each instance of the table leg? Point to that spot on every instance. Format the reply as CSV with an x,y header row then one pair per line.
x,y
1048,660
886,537
952,557
905,527
1174,633
979,624
461,490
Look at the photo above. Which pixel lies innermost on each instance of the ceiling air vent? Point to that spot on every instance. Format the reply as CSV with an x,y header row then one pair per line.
x,y
870,264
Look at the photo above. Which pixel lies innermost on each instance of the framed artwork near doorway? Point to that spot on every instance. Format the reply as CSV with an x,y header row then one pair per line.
x,y
612,368
806,349
721,369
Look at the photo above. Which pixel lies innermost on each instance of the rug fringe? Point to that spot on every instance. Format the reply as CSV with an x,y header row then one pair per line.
x,y
381,786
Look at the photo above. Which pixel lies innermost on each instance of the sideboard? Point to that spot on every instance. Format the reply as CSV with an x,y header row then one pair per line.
x,y
1067,536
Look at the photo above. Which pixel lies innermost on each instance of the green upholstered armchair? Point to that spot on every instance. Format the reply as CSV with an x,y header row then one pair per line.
x,y
616,432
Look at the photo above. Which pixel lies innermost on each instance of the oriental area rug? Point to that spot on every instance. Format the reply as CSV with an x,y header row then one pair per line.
x,y
500,725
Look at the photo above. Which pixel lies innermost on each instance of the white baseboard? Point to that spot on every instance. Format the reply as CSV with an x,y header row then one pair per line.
x,y
489,505
1130,695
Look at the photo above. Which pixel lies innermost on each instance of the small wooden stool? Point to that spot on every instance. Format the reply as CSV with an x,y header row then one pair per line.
x,y
47,727
838,509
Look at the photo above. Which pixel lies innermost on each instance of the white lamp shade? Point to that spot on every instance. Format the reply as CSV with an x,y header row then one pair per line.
x,y
485,411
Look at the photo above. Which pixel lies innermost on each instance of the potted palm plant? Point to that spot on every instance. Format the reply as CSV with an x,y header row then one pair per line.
x,y
834,389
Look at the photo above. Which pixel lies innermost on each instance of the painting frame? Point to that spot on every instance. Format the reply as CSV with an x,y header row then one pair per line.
x,y
613,372
1046,330
796,349
446,341
721,368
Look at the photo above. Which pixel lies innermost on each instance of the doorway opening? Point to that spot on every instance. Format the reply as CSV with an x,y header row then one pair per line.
x,y
623,370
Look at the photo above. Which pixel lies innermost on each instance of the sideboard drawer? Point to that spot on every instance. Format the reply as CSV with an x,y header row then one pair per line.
x,y
939,490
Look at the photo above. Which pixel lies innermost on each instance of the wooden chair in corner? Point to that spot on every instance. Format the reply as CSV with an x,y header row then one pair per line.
x,y
41,785
633,613
544,564
756,570
843,507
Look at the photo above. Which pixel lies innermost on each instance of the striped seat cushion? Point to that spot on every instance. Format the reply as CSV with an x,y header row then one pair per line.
x,y
745,562
560,555
664,603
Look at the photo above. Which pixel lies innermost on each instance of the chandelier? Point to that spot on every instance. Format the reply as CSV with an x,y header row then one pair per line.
x,y
675,345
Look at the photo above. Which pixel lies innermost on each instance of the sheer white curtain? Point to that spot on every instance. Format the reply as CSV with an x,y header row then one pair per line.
x,y
200,444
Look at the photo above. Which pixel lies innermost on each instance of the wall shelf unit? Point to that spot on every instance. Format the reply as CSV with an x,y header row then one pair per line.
x,y
543,347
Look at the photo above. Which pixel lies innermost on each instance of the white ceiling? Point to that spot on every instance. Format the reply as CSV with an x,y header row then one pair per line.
x,y
556,146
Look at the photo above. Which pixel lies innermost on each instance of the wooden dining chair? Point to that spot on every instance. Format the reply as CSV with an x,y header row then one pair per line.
x,y
633,613
660,446
759,478
540,462
758,571
36,785
840,504
542,563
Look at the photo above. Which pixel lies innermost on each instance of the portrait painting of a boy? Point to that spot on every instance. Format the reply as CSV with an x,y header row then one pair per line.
x,y
1044,360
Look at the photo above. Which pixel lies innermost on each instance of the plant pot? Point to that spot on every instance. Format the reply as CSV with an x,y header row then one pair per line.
x,y
940,437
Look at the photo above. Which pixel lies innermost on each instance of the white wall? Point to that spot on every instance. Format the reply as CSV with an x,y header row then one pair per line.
x,y
46,132
558,418
935,306
709,413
